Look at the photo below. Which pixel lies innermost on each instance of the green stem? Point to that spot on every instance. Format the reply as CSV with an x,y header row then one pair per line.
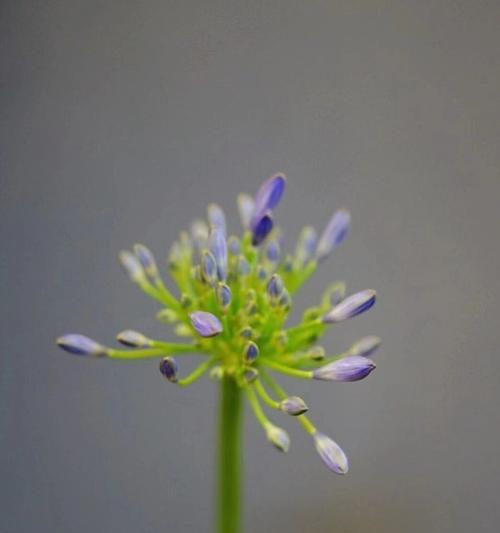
x,y
229,456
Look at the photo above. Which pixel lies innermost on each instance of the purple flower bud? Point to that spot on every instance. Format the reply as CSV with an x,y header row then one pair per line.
x,y
273,251
365,346
250,352
243,266
81,345
306,245
351,368
169,368
285,300
278,437
334,233
293,405
233,245
246,332
331,453
262,272
216,217
134,339
223,294
246,208
275,287
261,229
250,375
351,306
268,196
208,267
131,266
218,247
206,324
146,259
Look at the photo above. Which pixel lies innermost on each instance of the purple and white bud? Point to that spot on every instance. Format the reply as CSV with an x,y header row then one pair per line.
x,y
331,453
268,196
246,208
243,266
223,294
134,339
205,324
233,245
306,245
218,247
81,345
250,352
132,266
208,267
216,217
273,251
169,369
351,368
147,260
278,437
351,306
261,229
333,295
365,346
275,287
250,375
334,233
293,405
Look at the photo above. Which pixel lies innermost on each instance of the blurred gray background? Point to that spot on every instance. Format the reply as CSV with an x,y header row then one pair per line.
x,y
120,121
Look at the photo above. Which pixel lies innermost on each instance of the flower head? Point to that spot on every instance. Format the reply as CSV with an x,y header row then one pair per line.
x,y
231,304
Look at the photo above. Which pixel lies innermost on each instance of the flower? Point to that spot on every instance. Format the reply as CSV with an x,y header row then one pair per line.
x,y
231,304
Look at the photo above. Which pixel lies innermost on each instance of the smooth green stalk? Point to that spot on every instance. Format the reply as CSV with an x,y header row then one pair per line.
x,y
229,457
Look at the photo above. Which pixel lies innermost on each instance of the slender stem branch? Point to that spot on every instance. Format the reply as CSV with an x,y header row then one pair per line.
x,y
196,373
294,372
229,503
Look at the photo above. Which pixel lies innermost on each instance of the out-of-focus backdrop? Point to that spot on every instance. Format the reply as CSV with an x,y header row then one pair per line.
x,y
119,122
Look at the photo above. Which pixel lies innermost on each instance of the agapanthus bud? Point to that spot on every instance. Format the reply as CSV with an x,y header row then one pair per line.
x,y
146,258
132,266
334,233
223,293
275,287
273,251
168,316
351,368
316,353
134,339
331,453
246,332
278,437
218,247
365,346
351,306
262,228
268,196
334,294
216,217
169,368
233,245
306,245
217,373
250,375
293,405
199,233
206,324
262,272
250,352
285,300
243,267
208,267
246,207
81,345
